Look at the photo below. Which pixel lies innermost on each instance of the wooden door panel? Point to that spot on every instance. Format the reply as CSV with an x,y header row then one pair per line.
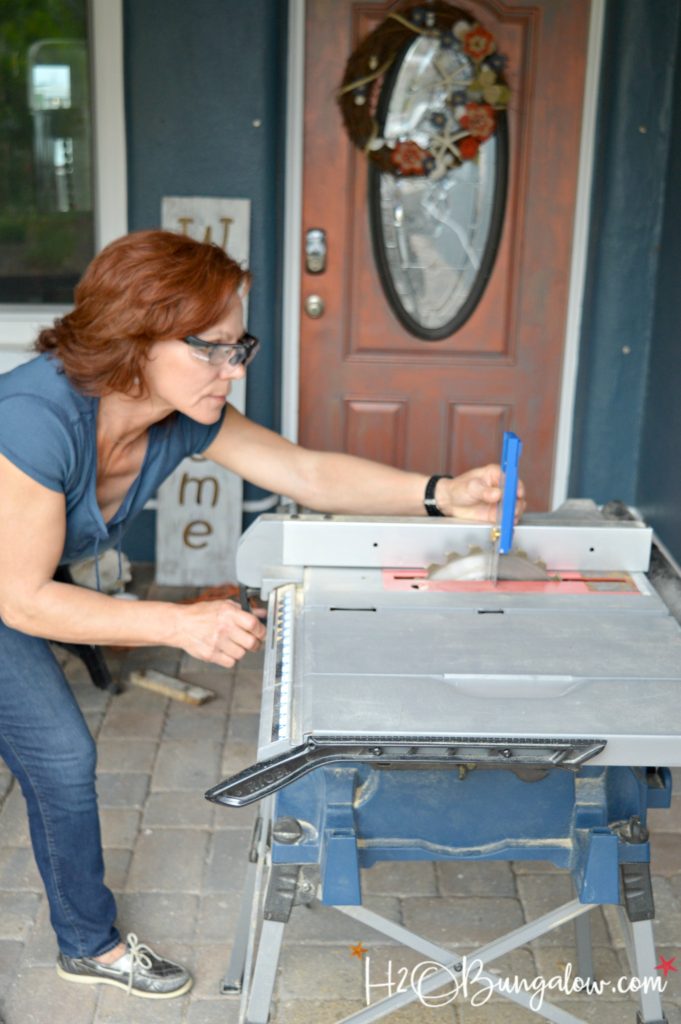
x,y
367,385
376,429
475,432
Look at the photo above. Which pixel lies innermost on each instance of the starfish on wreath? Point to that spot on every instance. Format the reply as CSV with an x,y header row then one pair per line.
x,y
454,78
444,150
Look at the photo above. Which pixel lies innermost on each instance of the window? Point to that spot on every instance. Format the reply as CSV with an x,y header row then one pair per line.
x,y
62,156
46,209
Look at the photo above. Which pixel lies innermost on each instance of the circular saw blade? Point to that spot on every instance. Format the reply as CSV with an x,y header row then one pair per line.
x,y
477,565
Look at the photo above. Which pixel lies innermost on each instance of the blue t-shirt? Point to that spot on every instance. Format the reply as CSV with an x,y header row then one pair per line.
x,y
49,430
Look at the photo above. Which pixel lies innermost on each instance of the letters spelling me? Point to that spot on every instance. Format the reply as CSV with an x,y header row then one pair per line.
x,y
196,532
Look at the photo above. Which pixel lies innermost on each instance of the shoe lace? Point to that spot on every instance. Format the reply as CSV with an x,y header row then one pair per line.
x,y
140,956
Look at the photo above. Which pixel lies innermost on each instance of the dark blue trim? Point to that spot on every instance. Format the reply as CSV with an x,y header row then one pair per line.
x,y
659,483
628,213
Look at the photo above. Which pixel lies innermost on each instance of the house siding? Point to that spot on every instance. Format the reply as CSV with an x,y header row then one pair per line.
x,y
626,362
659,483
205,110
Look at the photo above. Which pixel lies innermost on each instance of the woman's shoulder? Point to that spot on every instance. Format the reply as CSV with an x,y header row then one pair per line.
x,y
42,381
41,425
37,374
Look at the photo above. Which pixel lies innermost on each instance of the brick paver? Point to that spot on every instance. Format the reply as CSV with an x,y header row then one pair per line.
x,y
177,865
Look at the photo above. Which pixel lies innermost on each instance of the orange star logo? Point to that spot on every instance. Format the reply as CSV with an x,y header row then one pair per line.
x,y
359,950
666,966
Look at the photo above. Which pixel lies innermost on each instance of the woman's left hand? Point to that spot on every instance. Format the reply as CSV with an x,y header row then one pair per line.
x,y
476,495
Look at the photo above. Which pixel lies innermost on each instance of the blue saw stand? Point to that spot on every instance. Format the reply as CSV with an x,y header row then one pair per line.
x,y
337,820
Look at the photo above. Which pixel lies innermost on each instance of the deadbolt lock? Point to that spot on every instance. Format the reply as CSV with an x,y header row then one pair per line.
x,y
315,251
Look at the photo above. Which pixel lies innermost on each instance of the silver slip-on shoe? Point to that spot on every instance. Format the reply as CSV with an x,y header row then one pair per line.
x,y
140,971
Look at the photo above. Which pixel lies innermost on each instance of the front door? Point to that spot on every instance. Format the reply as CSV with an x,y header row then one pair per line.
x,y
368,386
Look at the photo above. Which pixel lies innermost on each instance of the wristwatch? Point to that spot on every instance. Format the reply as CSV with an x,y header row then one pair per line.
x,y
429,502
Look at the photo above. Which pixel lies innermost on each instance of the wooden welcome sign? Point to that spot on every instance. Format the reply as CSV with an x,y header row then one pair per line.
x,y
198,521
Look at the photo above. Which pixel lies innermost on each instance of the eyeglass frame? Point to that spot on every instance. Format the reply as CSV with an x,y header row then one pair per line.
x,y
243,351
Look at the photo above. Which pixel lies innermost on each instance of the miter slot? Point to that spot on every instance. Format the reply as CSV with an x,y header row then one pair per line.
x,y
337,609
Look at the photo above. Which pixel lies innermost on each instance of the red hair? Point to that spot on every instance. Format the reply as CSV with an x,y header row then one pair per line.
x,y
145,287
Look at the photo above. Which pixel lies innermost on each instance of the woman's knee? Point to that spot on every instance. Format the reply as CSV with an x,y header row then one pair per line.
x,y
74,755
65,761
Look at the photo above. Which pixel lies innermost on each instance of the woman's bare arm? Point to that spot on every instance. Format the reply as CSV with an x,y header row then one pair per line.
x,y
32,531
335,482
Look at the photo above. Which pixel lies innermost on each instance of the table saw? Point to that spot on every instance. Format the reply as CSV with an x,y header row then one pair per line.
x,y
409,714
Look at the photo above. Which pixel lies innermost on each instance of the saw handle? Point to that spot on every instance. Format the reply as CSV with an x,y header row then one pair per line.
x,y
510,457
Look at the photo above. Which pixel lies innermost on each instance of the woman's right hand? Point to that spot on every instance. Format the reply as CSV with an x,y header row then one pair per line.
x,y
219,631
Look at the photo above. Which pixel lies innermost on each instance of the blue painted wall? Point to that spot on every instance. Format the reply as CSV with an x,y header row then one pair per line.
x,y
631,210
198,75
659,482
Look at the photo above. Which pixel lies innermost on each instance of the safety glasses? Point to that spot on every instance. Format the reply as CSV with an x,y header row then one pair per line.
x,y
241,353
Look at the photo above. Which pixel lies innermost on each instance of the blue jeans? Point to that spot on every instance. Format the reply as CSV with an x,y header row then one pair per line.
x,y
48,747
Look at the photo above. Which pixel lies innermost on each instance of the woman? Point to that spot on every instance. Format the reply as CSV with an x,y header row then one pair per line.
x,y
135,378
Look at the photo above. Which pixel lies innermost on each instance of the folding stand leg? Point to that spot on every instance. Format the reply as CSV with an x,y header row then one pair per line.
x,y
641,950
265,973
240,961
643,941
637,924
585,963
282,889
232,981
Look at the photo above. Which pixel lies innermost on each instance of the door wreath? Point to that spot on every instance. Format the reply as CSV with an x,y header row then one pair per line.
x,y
475,91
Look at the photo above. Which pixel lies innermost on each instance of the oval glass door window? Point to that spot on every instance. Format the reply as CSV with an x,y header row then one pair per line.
x,y
435,237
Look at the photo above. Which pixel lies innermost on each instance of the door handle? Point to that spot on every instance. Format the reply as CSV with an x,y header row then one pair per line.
x,y
314,306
